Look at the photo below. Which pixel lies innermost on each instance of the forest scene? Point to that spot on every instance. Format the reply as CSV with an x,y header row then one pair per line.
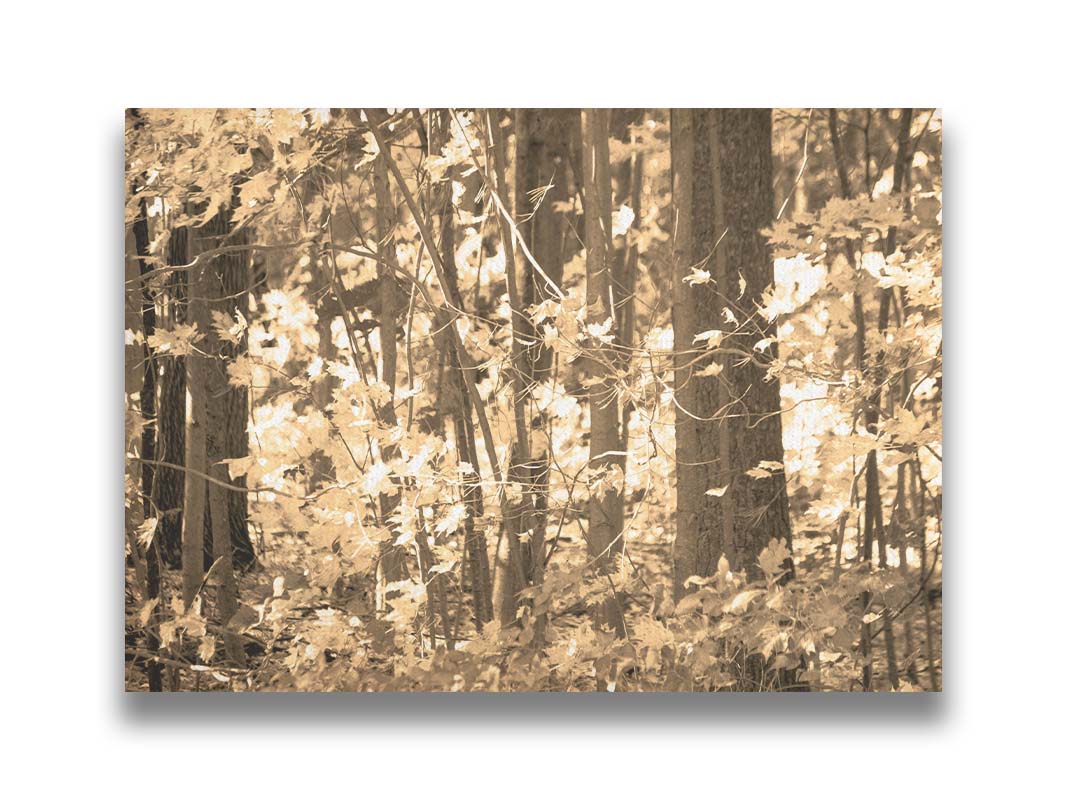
x,y
533,400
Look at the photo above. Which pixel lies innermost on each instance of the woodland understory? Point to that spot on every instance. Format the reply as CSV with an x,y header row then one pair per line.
x,y
533,400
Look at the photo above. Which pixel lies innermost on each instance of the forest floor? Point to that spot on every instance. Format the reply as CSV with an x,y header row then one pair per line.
x,y
647,559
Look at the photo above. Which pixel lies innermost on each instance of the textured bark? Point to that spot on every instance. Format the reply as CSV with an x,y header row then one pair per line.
x,y
871,494
693,310
235,272
728,423
391,567
169,485
873,526
327,309
762,505
148,442
148,385
541,183
629,177
445,317
516,569
901,170
458,407
216,445
195,503
603,536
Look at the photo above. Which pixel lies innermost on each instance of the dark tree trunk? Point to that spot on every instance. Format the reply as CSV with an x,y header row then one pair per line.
x,y
541,183
629,177
148,442
747,203
217,443
233,270
723,188
604,535
476,551
169,485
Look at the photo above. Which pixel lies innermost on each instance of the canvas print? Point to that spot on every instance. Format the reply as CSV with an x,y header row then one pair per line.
x,y
533,400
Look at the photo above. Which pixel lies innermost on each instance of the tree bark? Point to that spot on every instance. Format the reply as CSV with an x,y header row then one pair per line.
x,y
233,269
518,558
747,203
148,443
216,446
630,175
727,423
169,487
194,506
696,399
475,549
873,527
392,566
541,182
604,532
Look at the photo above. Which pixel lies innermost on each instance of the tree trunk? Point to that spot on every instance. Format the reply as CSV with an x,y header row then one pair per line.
x,y
541,182
630,174
698,468
517,559
729,422
216,445
234,272
392,566
605,511
169,488
458,407
148,443
747,208
195,504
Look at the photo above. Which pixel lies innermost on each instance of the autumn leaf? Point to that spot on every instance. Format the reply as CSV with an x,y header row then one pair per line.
x,y
599,330
710,371
741,601
181,341
146,532
621,220
712,337
698,276
451,519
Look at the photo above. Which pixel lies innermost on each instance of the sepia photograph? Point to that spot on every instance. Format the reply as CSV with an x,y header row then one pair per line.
x,y
468,400
533,400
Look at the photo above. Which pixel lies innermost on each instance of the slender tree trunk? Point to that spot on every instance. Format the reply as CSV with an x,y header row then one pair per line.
x,y
476,552
215,441
517,567
898,533
901,169
630,178
698,539
475,549
747,203
541,182
148,443
445,317
234,271
872,500
169,485
194,507
604,535
327,309
391,565
729,419
873,525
